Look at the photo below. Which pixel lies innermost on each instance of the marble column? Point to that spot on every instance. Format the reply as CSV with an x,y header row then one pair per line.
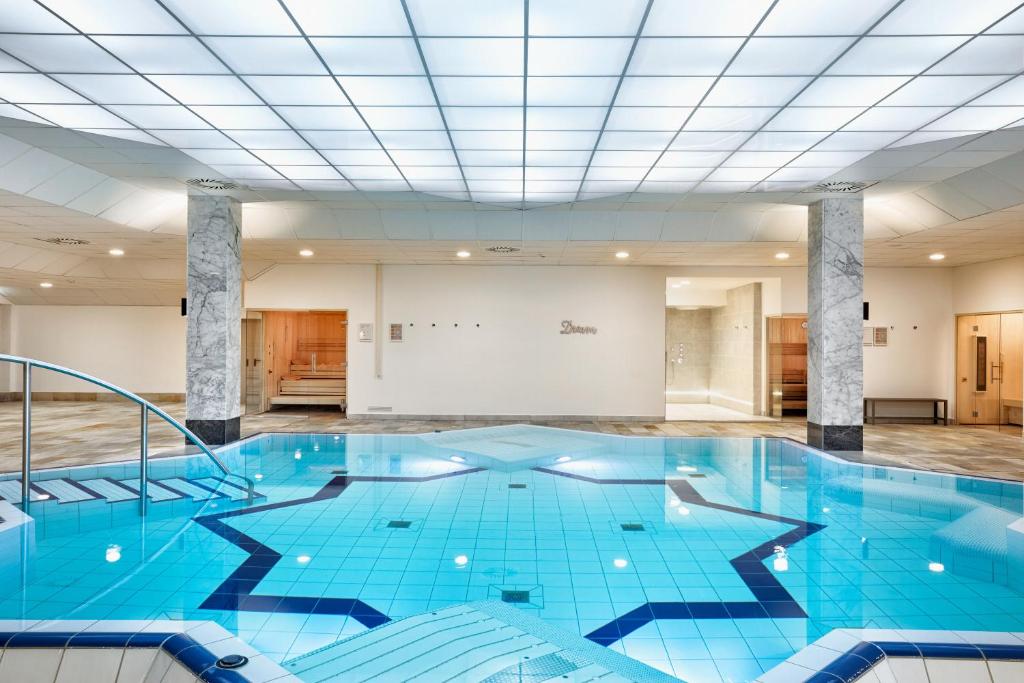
x,y
835,322
214,303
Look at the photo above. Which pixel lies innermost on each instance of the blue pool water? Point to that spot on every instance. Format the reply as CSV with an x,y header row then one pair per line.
x,y
711,559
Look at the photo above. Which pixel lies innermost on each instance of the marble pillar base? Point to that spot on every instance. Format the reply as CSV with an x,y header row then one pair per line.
x,y
216,432
835,437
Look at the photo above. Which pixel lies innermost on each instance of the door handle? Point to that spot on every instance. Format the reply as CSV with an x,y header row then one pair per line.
x,y
995,377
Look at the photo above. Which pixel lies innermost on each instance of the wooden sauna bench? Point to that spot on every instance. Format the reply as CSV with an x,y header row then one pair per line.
x,y
324,386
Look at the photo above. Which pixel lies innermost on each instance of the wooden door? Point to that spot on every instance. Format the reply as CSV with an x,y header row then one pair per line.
x,y
1011,369
977,363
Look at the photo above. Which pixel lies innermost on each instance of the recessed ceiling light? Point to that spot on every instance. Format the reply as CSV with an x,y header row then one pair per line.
x,y
305,252
622,254
782,255
116,252
462,254
937,257
46,285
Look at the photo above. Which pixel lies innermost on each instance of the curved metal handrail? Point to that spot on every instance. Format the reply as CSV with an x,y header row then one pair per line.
x,y
29,363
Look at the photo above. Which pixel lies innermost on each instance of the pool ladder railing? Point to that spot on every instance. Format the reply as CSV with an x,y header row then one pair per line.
x,y
27,364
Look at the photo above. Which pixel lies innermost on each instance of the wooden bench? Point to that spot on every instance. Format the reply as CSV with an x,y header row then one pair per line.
x,y
870,405
305,386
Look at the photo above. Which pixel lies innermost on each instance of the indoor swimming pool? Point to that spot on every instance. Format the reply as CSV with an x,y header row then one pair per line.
x,y
711,559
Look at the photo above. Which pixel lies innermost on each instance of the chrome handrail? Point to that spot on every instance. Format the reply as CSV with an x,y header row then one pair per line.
x,y
26,429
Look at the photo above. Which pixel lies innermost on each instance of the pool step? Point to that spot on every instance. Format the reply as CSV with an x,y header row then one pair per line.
x,y
478,641
114,491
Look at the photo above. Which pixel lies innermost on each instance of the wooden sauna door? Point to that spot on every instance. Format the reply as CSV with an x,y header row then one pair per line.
x,y
977,369
1011,371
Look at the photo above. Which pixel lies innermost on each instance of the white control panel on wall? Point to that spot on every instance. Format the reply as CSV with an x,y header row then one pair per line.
x,y
366,332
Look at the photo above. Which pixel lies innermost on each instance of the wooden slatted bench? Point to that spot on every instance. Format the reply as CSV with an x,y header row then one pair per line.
x,y
305,386
870,406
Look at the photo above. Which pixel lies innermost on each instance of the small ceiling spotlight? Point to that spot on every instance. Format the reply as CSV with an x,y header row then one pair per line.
x,y
782,255
622,254
936,257
116,252
46,285
305,252
463,254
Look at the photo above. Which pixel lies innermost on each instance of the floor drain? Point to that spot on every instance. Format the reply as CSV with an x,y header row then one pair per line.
x,y
632,526
399,524
232,661
515,596
517,486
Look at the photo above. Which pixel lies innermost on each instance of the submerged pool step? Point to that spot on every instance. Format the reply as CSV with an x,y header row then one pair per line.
x,y
480,641
65,490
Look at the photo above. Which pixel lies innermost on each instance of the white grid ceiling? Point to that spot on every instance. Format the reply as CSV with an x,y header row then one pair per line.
x,y
506,101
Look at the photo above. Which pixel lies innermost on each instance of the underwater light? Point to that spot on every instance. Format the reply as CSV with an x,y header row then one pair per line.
x,y
257,476
781,561
457,458
298,455
936,567
113,553
564,458
686,468
461,560
683,510
620,563
303,559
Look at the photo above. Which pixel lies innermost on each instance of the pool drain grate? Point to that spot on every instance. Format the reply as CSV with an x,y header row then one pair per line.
x,y
515,596
399,524
517,486
632,526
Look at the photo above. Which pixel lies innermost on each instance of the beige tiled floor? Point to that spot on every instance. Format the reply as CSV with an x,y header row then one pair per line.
x,y
73,433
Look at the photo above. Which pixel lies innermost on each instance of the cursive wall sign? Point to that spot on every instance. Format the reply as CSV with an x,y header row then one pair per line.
x,y
569,328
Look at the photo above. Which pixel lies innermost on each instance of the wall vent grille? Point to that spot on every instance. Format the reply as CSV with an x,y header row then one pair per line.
x,y
503,249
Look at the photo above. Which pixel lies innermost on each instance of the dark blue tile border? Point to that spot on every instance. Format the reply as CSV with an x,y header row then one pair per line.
x,y
182,647
773,600
235,593
850,665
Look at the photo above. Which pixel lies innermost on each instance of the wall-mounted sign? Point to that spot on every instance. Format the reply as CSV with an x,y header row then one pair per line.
x,y
395,332
569,328
366,332
881,336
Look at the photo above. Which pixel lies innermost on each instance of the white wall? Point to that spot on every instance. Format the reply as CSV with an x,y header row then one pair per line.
x,y
917,362
516,362
141,348
989,287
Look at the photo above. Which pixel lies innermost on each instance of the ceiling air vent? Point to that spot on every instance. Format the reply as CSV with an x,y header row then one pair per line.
x,y
839,186
64,241
502,249
211,184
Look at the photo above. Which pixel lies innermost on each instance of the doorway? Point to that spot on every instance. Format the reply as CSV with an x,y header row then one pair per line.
x,y
787,365
305,358
990,370
713,350
252,366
